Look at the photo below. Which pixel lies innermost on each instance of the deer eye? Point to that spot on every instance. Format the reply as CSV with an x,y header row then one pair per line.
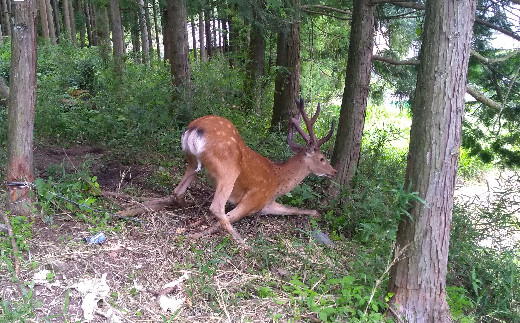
x,y
322,159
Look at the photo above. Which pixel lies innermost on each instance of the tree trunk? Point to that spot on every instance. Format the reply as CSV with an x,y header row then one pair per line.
x,y
180,55
156,29
203,52
22,103
207,31
66,18
6,22
117,39
90,36
50,22
418,278
347,148
167,30
104,34
255,67
148,28
287,82
72,24
145,44
56,12
193,38
135,36
81,23
44,20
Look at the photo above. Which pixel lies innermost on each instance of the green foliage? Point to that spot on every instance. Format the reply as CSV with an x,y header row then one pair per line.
x,y
336,299
484,256
75,193
21,310
21,232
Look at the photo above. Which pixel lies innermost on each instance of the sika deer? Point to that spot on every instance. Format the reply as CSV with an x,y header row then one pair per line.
x,y
245,178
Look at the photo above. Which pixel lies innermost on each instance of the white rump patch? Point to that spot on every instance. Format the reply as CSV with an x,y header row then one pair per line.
x,y
193,142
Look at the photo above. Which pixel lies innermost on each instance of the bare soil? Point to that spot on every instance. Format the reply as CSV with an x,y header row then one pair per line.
x,y
139,258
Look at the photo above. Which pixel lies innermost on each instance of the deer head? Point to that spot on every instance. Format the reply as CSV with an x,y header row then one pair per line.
x,y
315,160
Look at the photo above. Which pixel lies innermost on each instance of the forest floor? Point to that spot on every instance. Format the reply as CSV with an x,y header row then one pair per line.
x,y
125,278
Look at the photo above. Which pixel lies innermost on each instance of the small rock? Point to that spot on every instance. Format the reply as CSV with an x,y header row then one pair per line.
x,y
322,238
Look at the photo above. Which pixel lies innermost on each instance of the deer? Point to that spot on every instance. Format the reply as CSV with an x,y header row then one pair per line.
x,y
245,178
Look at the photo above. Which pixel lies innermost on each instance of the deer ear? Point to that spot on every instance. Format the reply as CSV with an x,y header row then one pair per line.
x,y
295,148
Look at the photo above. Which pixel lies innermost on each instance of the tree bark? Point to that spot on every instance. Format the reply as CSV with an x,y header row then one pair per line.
x,y
179,51
207,31
347,148
418,279
72,18
255,65
6,22
22,103
203,52
82,23
66,18
145,42
44,20
57,26
193,38
104,34
287,82
167,30
135,35
117,39
156,29
89,24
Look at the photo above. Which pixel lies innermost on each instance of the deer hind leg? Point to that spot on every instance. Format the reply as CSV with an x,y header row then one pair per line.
x,y
189,176
242,209
280,209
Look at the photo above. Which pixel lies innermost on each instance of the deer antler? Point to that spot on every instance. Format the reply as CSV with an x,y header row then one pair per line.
x,y
311,140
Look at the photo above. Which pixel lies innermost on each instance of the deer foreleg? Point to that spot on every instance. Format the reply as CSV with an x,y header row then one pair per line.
x,y
280,209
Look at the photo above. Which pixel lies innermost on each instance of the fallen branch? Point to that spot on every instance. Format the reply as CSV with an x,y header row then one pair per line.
x,y
152,205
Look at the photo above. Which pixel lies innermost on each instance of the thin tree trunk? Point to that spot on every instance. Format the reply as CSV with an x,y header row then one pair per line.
x,y
418,278
88,23
82,23
347,148
180,55
22,103
156,29
44,20
207,29
193,38
287,83
56,12
167,31
72,23
50,22
66,18
5,15
117,38
255,64
134,33
203,52
148,28
144,33
104,35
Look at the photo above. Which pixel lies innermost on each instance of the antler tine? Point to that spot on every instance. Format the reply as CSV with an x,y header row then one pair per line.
x,y
327,137
308,123
294,123
316,114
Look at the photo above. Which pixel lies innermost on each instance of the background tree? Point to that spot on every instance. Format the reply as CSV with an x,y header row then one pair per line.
x,y
179,50
347,146
418,277
287,82
22,102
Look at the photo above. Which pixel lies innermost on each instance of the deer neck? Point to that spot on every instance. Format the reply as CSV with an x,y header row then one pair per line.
x,y
290,173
